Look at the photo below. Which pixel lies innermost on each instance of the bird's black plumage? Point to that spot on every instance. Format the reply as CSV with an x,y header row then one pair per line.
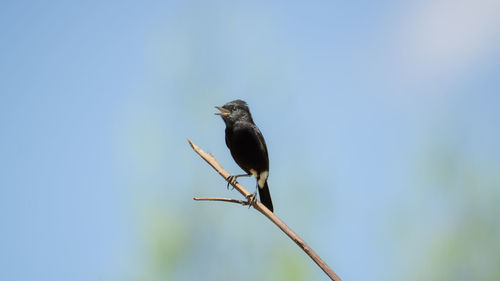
x,y
247,145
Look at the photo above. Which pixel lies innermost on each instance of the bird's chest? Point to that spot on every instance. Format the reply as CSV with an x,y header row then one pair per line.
x,y
239,140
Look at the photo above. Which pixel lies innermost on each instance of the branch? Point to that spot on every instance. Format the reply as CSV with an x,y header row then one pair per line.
x,y
244,203
264,210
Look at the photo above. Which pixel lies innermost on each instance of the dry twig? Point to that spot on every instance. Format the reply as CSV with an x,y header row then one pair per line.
x,y
244,203
261,208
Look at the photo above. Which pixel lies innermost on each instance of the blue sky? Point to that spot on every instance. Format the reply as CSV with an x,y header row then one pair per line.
x,y
357,102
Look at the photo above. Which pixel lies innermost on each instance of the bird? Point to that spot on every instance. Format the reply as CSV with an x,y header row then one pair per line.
x,y
248,147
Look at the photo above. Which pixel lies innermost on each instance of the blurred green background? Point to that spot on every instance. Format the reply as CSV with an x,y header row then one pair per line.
x,y
381,120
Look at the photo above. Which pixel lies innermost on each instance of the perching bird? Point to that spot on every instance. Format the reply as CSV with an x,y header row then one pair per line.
x,y
247,146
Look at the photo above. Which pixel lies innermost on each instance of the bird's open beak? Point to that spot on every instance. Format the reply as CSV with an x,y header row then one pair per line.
x,y
223,111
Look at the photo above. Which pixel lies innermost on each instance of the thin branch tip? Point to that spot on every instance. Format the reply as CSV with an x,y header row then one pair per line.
x,y
191,143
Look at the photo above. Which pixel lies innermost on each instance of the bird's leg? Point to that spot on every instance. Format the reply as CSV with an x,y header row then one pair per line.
x,y
232,179
252,198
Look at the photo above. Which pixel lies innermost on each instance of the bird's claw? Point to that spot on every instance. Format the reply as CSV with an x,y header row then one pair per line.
x,y
230,181
252,198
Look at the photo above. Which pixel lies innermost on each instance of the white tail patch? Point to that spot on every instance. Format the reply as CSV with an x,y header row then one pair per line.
x,y
262,179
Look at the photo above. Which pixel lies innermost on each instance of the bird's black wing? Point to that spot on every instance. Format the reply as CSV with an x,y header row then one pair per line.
x,y
247,146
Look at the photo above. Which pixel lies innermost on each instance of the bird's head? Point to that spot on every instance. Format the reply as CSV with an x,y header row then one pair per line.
x,y
233,111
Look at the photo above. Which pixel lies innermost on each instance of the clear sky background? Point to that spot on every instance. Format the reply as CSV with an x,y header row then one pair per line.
x,y
381,120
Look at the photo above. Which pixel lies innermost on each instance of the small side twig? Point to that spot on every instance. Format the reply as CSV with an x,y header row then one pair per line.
x,y
264,210
244,203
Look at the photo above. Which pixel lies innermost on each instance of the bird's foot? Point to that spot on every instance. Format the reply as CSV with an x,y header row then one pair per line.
x,y
232,180
252,198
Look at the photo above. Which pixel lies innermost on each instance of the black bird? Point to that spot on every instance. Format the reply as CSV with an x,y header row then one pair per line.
x,y
247,146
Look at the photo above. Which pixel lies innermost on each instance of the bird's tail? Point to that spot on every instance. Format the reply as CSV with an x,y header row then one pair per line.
x,y
265,196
